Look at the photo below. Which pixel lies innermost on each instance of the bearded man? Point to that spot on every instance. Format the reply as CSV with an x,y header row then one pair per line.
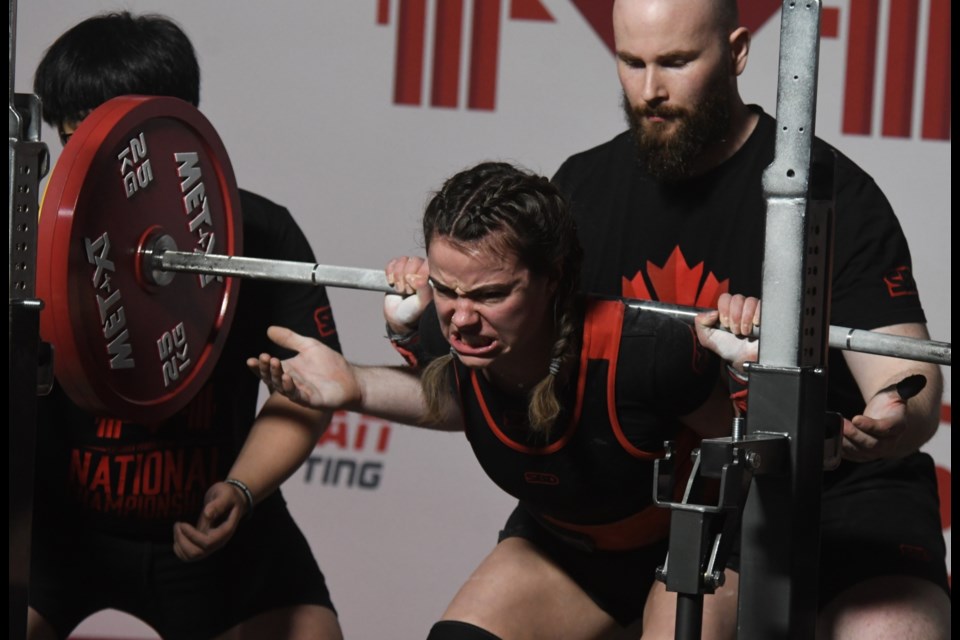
x,y
673,210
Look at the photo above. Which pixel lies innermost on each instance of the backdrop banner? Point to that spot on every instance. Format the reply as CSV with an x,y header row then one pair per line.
x,y
351,113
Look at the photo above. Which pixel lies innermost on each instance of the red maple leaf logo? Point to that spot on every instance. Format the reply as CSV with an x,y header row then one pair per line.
x,y
676,282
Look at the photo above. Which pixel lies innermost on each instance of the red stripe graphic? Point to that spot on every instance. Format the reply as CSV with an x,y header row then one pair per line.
x,y
901,61
936,94
529,10
755,13
944,490
861,60
597,13
944,477
447,36
862,42
484,50
829,22
409,64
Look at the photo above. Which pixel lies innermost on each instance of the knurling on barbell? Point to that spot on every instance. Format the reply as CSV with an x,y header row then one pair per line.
x,y
141,180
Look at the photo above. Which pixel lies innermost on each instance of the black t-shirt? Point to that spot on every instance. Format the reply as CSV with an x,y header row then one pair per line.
x,y
136,480
687,243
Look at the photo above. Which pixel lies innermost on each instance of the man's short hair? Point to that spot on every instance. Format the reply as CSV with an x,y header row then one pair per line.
x,y
111,55
728,15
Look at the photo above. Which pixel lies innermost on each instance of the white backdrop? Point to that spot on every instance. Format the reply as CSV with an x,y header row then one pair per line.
x,y
302,94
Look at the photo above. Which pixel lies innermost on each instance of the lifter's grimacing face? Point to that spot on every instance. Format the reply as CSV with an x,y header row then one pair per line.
x,y
492,309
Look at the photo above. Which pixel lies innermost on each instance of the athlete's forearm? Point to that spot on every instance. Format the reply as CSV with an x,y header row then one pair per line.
x,y
282,437
396,394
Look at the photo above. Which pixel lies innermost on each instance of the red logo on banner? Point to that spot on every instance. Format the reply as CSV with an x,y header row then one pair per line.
x,y
944,478
899,84
902,48
345,448
447,41
349,431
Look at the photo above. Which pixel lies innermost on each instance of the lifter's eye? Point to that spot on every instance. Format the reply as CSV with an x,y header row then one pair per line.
x,y
440,290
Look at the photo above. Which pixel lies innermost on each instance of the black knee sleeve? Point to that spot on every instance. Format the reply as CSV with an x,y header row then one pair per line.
x,y
456,630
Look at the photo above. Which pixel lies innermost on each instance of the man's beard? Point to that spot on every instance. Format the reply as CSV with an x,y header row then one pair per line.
x,y
668,156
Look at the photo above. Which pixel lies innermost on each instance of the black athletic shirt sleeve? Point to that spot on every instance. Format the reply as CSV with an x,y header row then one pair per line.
x,y
873,285
270,232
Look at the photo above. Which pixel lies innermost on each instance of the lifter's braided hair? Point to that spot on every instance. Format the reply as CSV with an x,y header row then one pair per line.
x,y
505,210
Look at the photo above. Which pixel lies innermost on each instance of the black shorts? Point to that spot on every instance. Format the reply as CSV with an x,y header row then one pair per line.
x,y
266,565
877,519
617,581
881,518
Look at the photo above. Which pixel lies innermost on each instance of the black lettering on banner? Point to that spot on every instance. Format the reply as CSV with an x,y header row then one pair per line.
x,y
356,436
343,472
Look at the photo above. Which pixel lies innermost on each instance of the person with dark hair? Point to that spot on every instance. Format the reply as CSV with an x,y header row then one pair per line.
x,y
673,210
565,400
146,55
211,551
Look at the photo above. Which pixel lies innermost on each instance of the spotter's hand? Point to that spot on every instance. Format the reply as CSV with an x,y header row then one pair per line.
x,y
875,433
222,510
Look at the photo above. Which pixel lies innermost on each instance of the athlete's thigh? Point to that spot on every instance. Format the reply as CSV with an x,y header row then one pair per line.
x,y
517,593
888,607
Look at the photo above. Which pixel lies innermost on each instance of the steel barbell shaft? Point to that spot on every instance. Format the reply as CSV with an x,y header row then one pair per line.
x,y
843,338
275,270
887,345
161,260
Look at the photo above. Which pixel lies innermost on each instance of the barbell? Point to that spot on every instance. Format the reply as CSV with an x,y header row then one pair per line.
x,y
143,178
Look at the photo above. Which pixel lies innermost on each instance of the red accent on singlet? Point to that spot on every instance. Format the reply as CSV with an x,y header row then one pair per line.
x,y
601,342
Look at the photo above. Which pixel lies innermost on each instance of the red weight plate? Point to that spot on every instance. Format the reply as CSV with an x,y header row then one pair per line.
x,y
124,349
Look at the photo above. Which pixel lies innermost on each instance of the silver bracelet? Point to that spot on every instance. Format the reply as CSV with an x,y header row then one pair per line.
x,y
245,490
402,339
